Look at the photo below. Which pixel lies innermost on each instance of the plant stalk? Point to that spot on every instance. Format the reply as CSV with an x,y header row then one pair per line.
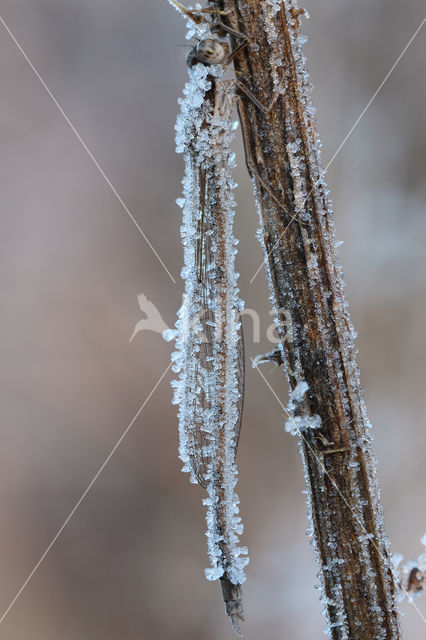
x,y
313,322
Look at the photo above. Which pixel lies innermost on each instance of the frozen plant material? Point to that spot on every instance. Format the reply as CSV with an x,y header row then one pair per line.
x,y
410,576
299,420
209,348
313,324
274,356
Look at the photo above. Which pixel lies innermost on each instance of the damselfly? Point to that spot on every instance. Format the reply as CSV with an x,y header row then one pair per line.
x,y
209,357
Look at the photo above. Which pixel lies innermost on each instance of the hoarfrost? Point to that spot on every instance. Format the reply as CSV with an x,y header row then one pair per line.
x,y
298,393
293,426
312,206
208,356
367,536
297,421
410,577
169,335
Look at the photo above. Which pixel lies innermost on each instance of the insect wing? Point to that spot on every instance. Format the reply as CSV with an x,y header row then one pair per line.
x,y
208,273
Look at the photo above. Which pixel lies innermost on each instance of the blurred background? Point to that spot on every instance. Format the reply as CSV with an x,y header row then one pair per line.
x,y
129,564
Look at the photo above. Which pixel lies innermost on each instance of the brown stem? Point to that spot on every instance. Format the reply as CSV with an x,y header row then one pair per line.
x,y
313,323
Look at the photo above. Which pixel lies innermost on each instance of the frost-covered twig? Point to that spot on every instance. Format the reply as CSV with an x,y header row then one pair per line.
x,y
312,319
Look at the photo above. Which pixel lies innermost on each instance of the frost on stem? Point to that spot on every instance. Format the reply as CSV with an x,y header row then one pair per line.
x,y
314,325
208,356
300,421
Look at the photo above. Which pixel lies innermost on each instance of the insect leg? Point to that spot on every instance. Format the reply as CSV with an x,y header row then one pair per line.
x,y
192,14
230,30
251,166
331,451
242,87
235,52
252,97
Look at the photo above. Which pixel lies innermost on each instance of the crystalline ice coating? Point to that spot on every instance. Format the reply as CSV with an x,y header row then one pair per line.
x,y
421,561
299,421
410,576
214,574
367,536
299,392
302,423
169,335
310,204
208,330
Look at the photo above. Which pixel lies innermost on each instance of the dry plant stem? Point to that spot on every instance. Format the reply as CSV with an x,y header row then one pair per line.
x,y
314,327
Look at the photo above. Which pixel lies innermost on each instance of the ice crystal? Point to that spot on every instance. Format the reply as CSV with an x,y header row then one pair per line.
x,y
208,356
169,335
299,422
311,205
410,576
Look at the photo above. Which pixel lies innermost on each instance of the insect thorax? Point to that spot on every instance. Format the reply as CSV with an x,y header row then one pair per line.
x,y
208,51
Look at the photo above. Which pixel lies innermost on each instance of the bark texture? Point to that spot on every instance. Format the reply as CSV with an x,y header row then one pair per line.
x,y
313,322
